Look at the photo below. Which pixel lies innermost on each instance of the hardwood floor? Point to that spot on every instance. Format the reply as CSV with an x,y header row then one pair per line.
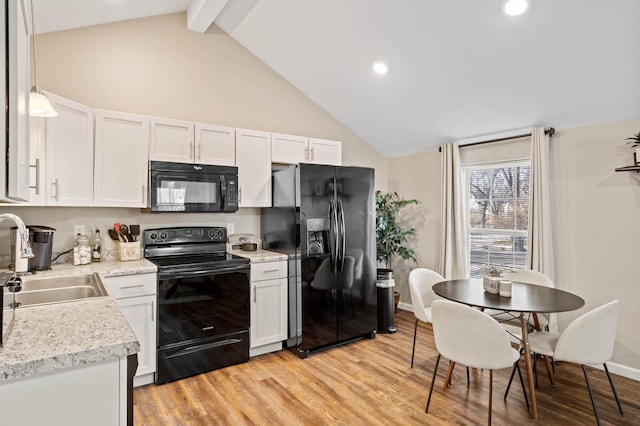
x,y
370,382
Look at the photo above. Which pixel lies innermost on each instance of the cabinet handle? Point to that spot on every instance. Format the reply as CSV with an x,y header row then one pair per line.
x,y
144,197
306,154
269,271
255,294
131,286
189,149
312,154
54,189
198,152
153,316
37,167
239,195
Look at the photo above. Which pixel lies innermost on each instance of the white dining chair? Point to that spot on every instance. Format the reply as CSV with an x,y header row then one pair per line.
x,y
548,322
420,282
470,337
587,340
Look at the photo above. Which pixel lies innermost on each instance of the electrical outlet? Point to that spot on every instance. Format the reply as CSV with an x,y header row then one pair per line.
x,y
231,229
78,229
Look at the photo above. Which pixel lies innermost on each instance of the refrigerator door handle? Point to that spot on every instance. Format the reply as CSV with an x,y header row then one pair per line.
x,y
342,241
333,235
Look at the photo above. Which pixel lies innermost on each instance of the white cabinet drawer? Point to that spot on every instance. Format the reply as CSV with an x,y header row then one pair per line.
x,y
132,285
268,270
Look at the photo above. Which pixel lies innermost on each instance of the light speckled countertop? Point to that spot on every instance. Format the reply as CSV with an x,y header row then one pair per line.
x,y
260,255
47,338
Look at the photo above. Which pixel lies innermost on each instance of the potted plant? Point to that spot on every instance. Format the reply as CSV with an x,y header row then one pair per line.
x,y
492,277
391,238
634,141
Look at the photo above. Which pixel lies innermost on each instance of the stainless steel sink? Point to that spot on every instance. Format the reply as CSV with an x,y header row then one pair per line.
x,y
40,291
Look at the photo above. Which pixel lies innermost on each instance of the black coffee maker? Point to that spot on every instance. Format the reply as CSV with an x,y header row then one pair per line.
x,y
41,239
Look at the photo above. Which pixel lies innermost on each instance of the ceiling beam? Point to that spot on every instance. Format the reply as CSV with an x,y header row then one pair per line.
x,y
202,13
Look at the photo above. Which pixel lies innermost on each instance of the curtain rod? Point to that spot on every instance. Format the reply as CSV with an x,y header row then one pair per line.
x,y
550,131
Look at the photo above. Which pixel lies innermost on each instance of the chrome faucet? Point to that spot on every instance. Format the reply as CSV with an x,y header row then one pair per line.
x,y
23,233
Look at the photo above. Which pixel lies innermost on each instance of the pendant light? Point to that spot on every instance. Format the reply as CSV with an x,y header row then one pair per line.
x,y
39,105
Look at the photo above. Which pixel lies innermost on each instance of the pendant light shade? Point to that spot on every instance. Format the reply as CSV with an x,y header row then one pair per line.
x,y
39,105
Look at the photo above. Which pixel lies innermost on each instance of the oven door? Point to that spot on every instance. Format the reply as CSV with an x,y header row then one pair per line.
x,y
195,305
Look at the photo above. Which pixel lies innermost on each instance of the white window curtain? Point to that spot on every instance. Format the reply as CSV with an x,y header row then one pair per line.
x,y
453,255
540,238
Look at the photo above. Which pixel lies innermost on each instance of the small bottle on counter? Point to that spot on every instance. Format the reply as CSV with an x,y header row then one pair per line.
x,y
82,250
96,254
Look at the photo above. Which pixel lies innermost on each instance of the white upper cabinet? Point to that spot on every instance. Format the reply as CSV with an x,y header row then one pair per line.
x,y
324,151
171,140
253,158
69,152
215,145
289,149
15,80
121,161
186,142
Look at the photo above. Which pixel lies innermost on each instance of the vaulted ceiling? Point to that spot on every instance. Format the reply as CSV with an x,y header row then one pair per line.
x,y
458,68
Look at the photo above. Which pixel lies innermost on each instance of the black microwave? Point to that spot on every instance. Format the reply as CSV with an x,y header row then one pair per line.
x,y
192,188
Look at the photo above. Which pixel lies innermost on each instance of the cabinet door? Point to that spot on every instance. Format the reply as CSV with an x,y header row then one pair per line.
x,y
288,149
69,142
140,312
215,145
121,166
17,175
323,151
171,140
253,158
268,312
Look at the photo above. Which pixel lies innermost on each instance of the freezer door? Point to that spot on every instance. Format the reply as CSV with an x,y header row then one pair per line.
x,y
318,239
355,280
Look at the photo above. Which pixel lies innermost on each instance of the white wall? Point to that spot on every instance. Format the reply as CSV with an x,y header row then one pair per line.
x,y
595,219
155,66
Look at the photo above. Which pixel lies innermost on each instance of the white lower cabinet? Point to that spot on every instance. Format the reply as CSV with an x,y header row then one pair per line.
x,y
136,297
268,307
92,394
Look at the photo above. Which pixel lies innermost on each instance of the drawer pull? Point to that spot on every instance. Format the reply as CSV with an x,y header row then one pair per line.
x,y
269,271
126,287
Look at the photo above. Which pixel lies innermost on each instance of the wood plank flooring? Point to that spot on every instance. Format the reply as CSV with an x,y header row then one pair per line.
x,y
370,382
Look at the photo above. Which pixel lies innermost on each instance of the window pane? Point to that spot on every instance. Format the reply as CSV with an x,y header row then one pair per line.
x,y
498,216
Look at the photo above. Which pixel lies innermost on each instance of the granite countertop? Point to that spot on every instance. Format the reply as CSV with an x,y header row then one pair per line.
x,y
47,338
260,255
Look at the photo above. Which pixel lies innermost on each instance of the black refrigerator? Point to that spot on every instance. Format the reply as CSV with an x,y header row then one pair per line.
x,y
323,217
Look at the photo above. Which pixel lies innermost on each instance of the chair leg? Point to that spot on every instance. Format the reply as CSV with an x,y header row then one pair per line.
x,y
524,389
468,382
513,372
593,403
413,351
613,387
490,394
433,380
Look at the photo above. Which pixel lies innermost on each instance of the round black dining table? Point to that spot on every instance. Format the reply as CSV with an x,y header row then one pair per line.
x,y
525,298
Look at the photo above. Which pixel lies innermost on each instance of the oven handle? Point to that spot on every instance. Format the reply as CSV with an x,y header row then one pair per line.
x,y
217,271
196,348
223,193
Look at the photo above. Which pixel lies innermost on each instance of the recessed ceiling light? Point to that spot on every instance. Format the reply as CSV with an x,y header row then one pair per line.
x,y
380,67
515,7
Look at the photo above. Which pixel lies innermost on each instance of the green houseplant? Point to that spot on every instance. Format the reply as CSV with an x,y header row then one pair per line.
x,y
391,238
634,141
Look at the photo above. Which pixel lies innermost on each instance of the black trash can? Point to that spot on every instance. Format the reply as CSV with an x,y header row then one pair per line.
x,y
385,286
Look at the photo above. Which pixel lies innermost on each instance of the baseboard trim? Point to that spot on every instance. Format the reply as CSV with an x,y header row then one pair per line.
x,y
621,370
614,367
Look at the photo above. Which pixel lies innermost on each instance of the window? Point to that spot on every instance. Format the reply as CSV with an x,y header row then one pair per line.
x,y
497,215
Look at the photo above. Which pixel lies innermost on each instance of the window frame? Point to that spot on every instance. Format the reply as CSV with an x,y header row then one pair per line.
x,y
467,198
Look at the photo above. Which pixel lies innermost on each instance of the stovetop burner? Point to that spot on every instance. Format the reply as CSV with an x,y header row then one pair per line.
x,y
204,260
198,248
